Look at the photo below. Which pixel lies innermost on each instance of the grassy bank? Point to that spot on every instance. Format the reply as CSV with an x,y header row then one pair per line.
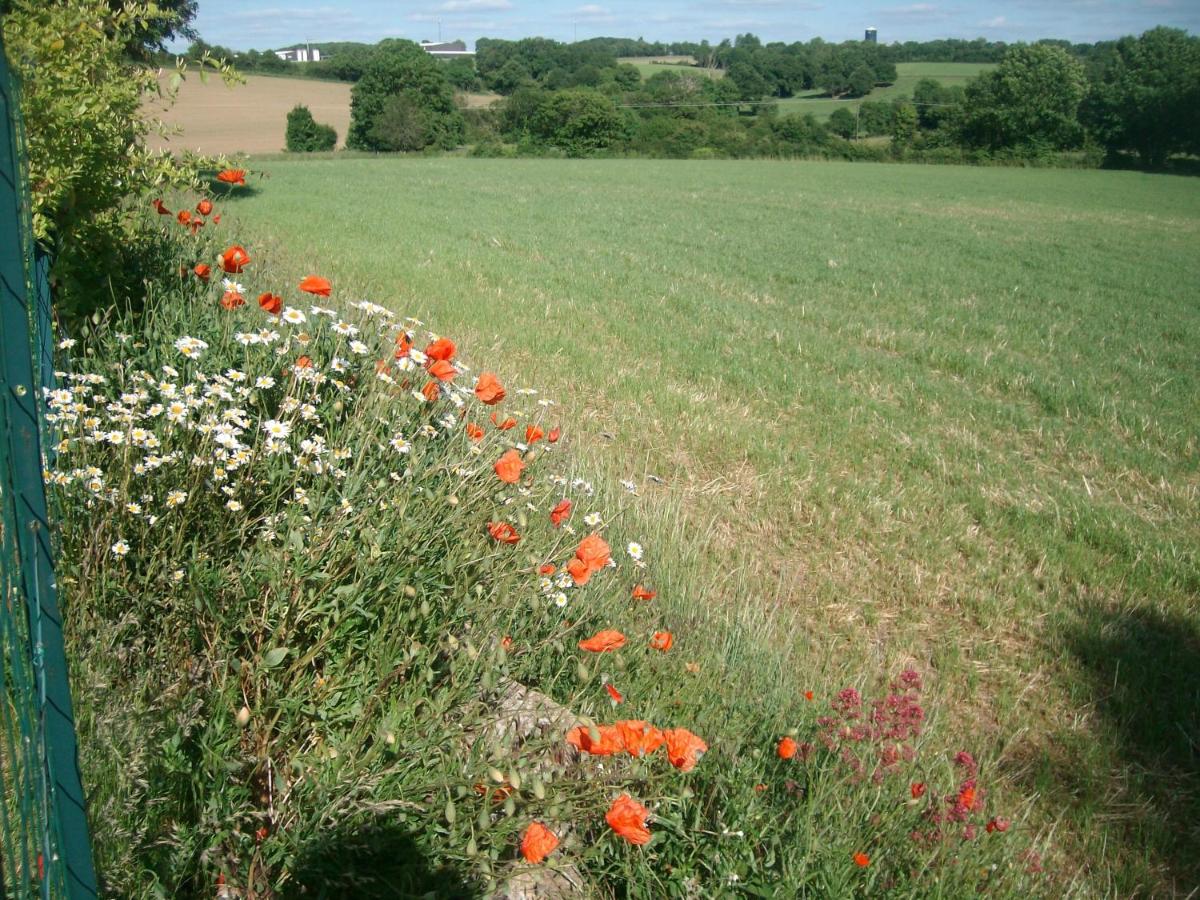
x,y
932,416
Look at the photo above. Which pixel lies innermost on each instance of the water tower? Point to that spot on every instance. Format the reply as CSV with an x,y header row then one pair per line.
x,y
872,36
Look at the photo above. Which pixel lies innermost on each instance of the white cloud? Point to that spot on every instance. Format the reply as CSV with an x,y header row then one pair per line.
x,y
474,5
997,22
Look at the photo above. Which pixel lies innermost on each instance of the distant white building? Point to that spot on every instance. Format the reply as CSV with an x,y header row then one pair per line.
x,y
447,50
300,54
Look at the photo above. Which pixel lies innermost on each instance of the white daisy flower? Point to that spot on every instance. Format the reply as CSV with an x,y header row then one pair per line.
x,y
359,347
276,429
560,599
293,316
634,550
592,519
345,328
120,549
400,445
264,381
176,498
233,506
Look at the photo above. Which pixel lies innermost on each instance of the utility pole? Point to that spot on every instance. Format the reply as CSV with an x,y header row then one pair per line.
x,y
574,31
439,31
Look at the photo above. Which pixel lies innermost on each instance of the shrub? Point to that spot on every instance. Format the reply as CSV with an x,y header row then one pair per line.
x,y
81,101
306,135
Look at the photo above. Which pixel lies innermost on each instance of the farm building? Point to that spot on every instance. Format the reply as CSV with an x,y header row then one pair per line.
x,y
447,50
299,54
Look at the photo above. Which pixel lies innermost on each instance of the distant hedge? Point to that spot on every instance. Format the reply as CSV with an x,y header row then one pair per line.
x,y
305,134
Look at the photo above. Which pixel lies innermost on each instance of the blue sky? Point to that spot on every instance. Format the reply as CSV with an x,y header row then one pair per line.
x,y
242,24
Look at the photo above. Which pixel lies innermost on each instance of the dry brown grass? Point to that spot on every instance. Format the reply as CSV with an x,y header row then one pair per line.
x,y
251,117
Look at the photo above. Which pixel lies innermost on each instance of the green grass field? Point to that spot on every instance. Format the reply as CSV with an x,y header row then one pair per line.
x,y
650,66
908,74
941,416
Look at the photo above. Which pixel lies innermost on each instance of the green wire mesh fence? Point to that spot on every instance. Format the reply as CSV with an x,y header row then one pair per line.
x,y
43,822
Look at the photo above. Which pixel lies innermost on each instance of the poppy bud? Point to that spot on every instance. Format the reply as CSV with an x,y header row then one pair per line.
x,y
243,716
514,779
451,813
496,775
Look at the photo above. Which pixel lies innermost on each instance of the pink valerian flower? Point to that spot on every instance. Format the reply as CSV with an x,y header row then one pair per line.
x,y
967,762
847,703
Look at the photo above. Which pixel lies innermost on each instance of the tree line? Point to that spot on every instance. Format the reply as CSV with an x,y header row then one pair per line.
x,y
1138,97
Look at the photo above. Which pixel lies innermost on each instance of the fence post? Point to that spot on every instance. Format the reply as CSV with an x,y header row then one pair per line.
x,y
64,865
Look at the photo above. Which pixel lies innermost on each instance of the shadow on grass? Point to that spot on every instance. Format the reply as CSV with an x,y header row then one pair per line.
x,y
1144,673
374,860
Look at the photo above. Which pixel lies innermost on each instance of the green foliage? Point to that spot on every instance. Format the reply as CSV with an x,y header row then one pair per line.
x,y
1029,104
577,121
403,125
306,135
843,123
1146,96
460,72
81,100
396,68
861,81
904,125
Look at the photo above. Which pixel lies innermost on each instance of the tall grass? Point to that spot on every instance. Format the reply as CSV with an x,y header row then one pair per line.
x,y
941,418
293,634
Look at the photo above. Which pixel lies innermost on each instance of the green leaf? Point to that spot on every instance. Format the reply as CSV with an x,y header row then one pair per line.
x,y
272,658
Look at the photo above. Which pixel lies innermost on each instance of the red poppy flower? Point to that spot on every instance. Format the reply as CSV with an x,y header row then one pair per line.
x,y
639,738
560,512
160,209
628,818
217,219
474,432
232,300
537,843
662,640
304,362
554,434
966,797
533,434
508,423
442,370
403,344
204,207
442,349
202,270
506,642
786,749
503,532
232,176
508,467
607,741
547,569
196,224
640,593
592,556
917,789
234,259
684,749
808,695
271,303
614,693
862,860
997,824
431,391
183,217
488,389
603,641
315,284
